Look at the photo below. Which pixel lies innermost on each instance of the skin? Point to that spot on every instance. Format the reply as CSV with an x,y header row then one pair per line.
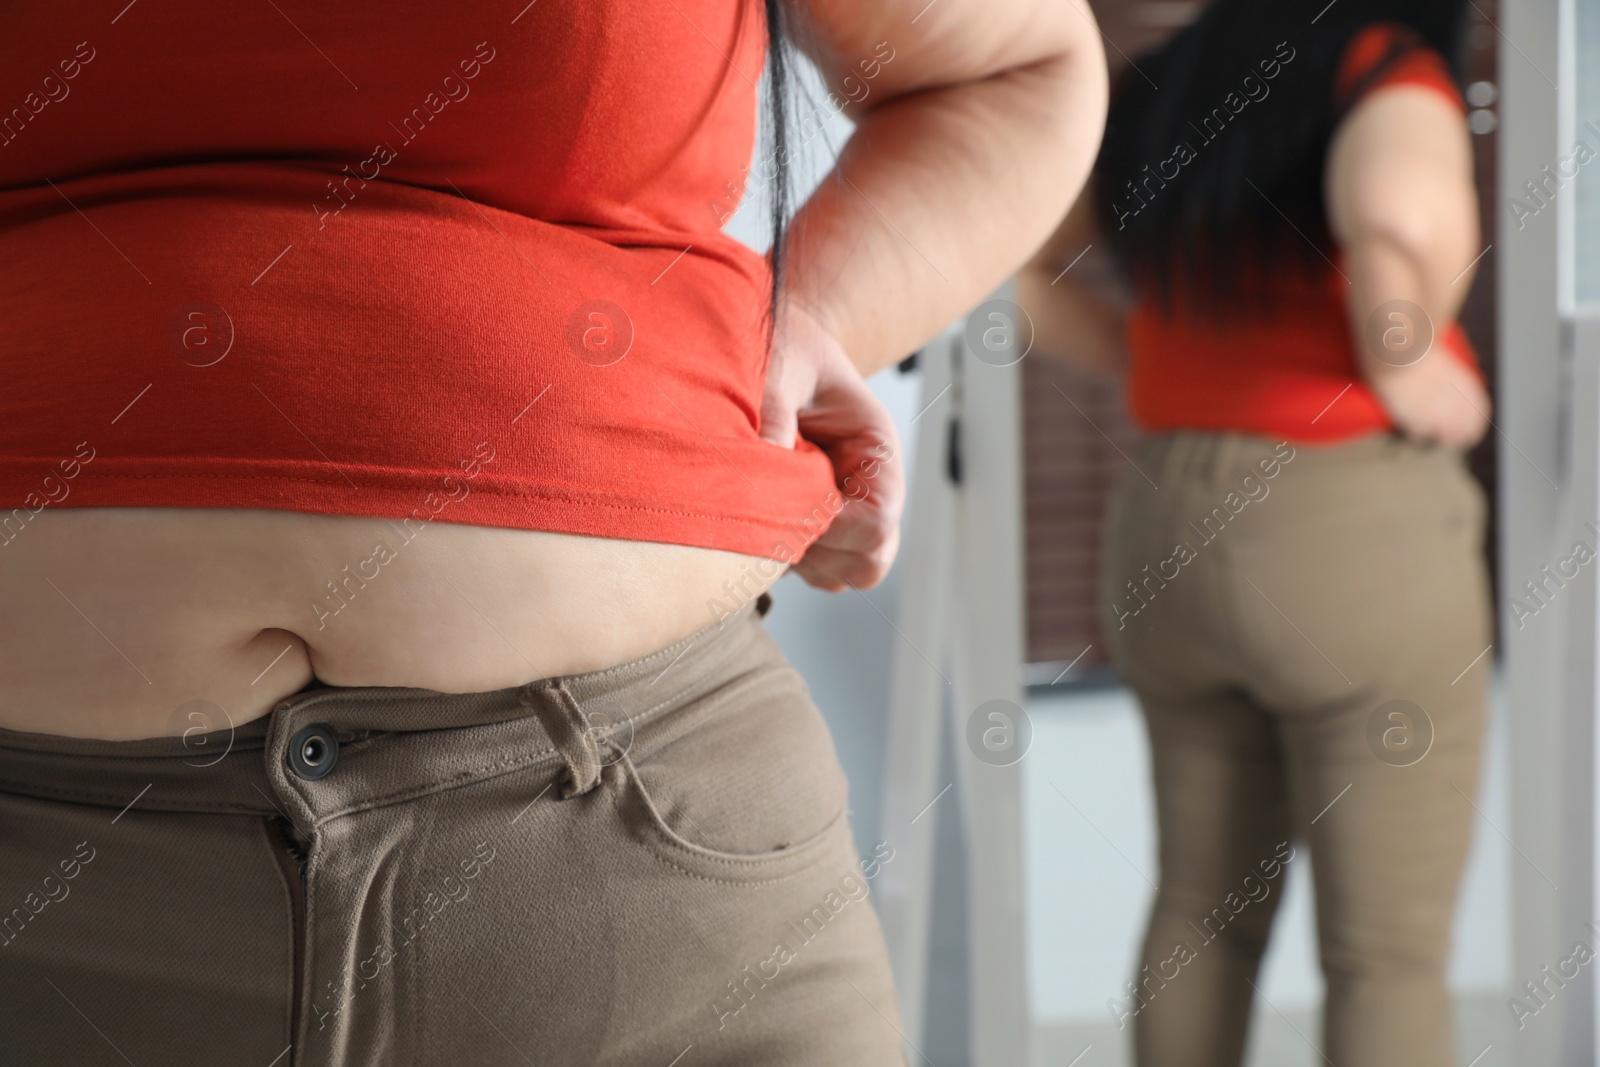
x,y
972,141
1403,207
1077,315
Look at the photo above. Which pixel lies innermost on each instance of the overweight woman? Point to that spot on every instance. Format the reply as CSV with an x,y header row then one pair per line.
x,y
1294,582
394,455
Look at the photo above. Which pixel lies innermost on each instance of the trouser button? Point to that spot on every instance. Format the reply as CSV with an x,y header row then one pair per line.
x,y
313,752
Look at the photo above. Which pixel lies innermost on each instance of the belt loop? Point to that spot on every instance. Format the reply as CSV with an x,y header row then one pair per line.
x,y
570,731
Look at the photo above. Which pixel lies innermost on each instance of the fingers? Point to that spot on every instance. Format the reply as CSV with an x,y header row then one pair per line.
x,y
860,437
801,348
865,529
835,570
780,402
859,547
844,407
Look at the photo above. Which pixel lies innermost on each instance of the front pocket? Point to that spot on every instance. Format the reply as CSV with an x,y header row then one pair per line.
x,y
649,823
745,785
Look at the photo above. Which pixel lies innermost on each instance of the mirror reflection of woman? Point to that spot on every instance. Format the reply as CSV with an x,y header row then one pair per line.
x,y
1294,579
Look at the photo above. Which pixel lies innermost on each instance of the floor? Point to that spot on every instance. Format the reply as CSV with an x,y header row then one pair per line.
x,y
1481,1028
1091,860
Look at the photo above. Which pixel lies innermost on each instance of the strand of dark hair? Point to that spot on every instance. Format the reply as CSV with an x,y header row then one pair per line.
x,y
779,71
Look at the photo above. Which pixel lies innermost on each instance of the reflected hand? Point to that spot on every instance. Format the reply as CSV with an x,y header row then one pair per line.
x,y
813,390
1437,400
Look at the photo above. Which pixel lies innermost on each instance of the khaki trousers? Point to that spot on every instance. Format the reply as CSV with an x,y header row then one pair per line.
x,y
1304,628
647,865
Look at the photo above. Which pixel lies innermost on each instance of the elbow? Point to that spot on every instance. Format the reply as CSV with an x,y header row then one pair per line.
x,y
1067,116
1435,229
1075,90
1419,240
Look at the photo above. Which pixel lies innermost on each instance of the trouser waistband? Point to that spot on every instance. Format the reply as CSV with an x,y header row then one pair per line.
x,y
1204,456
325,752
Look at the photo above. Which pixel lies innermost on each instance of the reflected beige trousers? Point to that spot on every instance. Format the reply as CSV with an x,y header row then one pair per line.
x,y
1304,627
642,866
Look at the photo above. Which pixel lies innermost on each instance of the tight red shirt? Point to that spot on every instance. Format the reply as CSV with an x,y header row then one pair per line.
x,y
1289,371
442,261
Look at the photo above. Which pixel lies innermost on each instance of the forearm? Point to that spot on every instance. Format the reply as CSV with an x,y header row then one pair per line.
x,y
1403,208
1399,300
938,197
1399,304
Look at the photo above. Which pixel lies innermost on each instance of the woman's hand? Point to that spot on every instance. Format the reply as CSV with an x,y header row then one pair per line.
x,y
814,390
1438,399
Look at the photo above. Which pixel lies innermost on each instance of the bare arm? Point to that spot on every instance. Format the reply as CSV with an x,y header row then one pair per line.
x,y
1402,205
1072,293
970,145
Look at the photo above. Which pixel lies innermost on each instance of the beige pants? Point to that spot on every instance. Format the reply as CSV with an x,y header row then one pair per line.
x,y
1302,626
650,865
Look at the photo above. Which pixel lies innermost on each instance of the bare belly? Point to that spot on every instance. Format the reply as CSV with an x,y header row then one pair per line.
x,y
120,623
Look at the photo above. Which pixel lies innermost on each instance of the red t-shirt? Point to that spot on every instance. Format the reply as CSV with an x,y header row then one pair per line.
x,y
453,261
1290,370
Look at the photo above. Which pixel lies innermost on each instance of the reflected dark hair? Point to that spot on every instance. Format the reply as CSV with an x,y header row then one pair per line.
x,y
1204,227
